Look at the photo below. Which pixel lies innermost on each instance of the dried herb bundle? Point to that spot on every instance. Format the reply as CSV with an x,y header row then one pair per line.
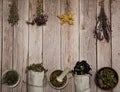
x,y
103,27
14,16
10,78
67,17
36,68
81,68
41,18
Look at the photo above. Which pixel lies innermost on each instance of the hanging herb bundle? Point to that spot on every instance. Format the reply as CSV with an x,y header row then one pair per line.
x,y
40,18
103,27
68,16
13,16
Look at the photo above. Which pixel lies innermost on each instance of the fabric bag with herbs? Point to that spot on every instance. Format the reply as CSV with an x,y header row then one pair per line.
x,y
36,74
81,76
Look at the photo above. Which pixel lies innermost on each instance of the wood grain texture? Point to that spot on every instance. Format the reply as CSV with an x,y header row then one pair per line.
x,y
51,39
7,54
1,13
104,48
115,16
20,58
70,41
35,36
87,40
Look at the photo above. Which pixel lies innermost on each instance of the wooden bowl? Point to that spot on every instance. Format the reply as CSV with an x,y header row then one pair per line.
x,y
105,82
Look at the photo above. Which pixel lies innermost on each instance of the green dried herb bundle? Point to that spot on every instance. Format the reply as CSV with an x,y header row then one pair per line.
x,y
10,78
13,16
41,18
53,79
36,68
103,27
107,78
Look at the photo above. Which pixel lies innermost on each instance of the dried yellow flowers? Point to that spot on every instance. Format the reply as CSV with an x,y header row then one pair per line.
x,y
67,17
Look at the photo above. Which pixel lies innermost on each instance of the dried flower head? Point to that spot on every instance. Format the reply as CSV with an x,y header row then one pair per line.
x,y
66,18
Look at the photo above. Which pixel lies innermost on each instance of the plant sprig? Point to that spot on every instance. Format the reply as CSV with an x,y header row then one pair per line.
x,y
13,16
40,18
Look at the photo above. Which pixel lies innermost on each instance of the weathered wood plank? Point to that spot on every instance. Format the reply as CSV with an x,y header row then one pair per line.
x,y
35,37
87,40
21,44
70,41
115,16
51,39
1,13
7,52
104,48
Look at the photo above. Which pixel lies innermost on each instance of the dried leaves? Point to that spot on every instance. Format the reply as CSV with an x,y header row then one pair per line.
x,y
103,27
36,68
13,17
40,18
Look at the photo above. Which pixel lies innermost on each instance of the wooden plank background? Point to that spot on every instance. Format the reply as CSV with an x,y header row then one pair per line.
x,y
58,46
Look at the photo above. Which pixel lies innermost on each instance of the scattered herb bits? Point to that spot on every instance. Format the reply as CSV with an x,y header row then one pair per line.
x,y
13,16
106,78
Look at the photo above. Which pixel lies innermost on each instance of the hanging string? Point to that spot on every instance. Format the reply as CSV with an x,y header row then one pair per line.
x,y
67,9
101,3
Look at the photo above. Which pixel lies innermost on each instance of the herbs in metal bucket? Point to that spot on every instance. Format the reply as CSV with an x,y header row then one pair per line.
x,y
36,68
103,27
41,18
10,77
13,16
106,78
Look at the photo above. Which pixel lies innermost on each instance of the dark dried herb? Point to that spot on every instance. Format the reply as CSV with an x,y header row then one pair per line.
x,y
36,68
10,78
106,78
82,68
14,16
41,18
53,79
103,27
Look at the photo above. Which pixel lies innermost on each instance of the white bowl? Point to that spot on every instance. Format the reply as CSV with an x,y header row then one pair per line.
x,y
58,88
14,85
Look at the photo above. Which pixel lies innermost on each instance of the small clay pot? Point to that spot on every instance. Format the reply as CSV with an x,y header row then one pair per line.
x,y
97,78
